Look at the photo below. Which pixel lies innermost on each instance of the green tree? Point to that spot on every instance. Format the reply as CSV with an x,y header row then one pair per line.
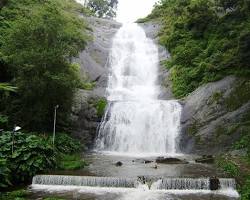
x,y
207,39
38,46
103,8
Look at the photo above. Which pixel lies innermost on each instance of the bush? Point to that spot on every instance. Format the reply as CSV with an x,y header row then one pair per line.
x,y
88,85
206,44
65,144
243,143
32,155
101,106
228,166
4,174
3,121
245,189
15,195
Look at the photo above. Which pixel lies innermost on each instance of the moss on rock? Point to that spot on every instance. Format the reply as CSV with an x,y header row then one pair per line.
x,y
100,106
239,96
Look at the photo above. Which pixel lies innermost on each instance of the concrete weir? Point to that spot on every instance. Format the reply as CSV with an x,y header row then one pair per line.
x,y
152,183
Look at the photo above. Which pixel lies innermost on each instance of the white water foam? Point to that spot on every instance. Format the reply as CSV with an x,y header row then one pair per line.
x,y
132,193
136,121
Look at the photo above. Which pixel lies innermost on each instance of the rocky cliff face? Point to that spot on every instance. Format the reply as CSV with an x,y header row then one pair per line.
x,y
215,116
88,105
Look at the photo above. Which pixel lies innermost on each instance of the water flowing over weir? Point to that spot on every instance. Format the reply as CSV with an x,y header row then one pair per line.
x,y
136,121
113,182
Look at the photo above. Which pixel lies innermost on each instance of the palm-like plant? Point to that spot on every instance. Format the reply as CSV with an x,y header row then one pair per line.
x,y
7,87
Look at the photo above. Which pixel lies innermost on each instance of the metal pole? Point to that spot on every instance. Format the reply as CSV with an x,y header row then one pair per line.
x,y
12,146
54,129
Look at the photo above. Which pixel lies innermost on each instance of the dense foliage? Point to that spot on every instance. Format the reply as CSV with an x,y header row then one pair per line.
x,y
33,153
15,195
238,168
103,8
207,40
37,41
100,106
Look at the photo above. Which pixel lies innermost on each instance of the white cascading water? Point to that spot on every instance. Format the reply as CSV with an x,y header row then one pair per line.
x,y
136,121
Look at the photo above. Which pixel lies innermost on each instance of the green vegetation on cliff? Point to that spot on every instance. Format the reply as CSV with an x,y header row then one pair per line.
x,y
207,39
103,8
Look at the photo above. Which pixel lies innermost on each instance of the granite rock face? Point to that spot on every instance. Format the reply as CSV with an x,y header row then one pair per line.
x,y
94,59
93,65
215,116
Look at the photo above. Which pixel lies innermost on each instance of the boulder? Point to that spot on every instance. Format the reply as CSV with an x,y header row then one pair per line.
x,y
148,161
163,160
214,183
118,164
142,161
209,159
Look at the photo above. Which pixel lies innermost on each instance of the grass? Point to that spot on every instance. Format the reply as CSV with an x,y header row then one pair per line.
x,y
228,166
238,168
88,85
15,195
71,162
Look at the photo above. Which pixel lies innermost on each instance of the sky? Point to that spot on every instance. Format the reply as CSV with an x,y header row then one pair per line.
x,y
131,10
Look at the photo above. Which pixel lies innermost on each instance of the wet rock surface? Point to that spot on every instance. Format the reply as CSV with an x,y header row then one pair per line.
x,y
209,159
94,59
118,164
163,160
214,183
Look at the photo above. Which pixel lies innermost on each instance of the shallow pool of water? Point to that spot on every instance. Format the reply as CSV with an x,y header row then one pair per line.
x,y
104,165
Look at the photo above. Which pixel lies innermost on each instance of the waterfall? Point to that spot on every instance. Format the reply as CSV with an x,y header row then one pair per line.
x,y
136,121
227,183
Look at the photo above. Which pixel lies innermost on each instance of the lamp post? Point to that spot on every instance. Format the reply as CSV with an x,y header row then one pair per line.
x,y
54,129
16,128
